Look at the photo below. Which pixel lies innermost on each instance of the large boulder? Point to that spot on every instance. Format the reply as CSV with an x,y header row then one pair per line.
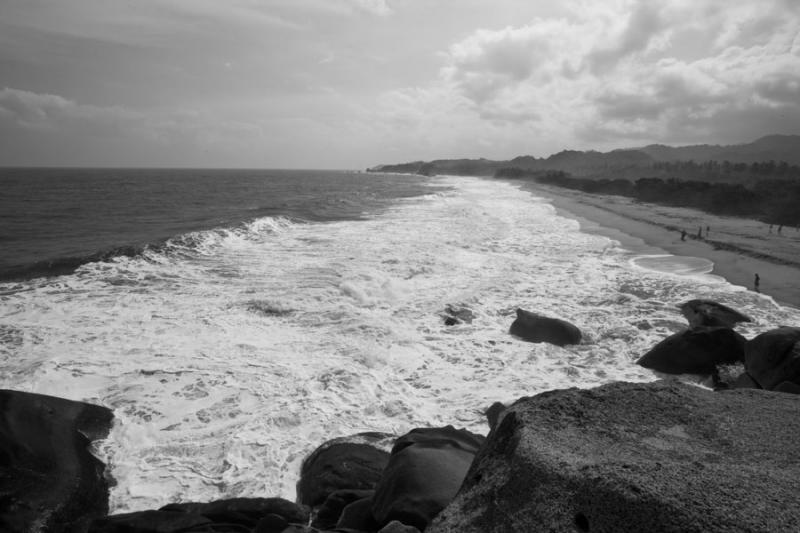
x,y
711,314
354,462
424,472
49,481
630,457
537,328
773,358
695,351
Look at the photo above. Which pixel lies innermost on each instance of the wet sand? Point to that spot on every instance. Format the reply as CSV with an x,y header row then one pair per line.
x,y
738,247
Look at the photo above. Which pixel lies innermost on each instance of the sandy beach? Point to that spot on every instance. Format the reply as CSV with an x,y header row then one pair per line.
x,y
739,248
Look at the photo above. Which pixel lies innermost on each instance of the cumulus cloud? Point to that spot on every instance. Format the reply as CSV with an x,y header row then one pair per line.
x,y
376,7
627,70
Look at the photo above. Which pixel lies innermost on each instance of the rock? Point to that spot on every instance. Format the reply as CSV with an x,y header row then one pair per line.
x,y
398,527
774,357
151,522
711,314
353,462
695,351
628,457
493,413
787,386
266,515
330,511
49,480
358,516
744,381
537,328
455,314
243,511
272,523
424,472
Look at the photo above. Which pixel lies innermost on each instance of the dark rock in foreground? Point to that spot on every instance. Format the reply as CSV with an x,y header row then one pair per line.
x,y
353,463
537,328
425,471
772,359
695,351
265,515
329,512
711,314
48,479
628,457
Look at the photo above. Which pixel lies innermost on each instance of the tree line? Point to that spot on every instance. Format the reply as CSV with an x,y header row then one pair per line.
x,y
771,200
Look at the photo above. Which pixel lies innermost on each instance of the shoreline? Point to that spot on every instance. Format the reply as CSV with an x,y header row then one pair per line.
x,y
624,222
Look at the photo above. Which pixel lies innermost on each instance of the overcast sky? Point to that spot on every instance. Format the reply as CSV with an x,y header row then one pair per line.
x,y
354,83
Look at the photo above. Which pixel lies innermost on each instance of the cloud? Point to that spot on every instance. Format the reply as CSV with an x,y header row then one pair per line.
x,y
375,7
49,111
97,132
633,70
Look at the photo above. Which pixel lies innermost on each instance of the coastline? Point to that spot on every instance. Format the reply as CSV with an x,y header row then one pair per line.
x,y
648,228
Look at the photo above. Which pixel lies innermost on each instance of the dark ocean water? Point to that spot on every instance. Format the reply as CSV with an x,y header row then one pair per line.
x,y
53,220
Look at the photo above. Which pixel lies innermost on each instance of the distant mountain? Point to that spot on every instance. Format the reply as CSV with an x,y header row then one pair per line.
x,y
621,162
768,148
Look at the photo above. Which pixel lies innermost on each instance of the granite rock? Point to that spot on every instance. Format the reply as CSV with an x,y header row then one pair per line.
x,y
627,457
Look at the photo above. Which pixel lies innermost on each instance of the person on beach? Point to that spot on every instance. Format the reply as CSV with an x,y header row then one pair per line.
x,y
700,232
683,234
756,283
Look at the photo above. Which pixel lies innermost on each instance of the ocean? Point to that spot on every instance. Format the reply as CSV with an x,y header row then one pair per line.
x,y
235,320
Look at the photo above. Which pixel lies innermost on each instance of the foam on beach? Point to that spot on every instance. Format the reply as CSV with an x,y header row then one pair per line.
x,y
228,356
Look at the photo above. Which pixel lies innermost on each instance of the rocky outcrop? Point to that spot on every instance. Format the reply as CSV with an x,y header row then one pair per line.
x,y
772,359
49,481
424,472
355,463
626,457
537,328
695,351
711,314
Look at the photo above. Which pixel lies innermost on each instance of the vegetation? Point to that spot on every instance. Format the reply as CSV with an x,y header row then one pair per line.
x,y
773,200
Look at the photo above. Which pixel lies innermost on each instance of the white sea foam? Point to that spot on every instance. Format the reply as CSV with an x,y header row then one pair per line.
x,y
228,356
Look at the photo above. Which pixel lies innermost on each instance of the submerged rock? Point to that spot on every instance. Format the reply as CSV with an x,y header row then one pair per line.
x,y
695,351
424,472
49,481
772,359
628,457
456,314
537,328
711,314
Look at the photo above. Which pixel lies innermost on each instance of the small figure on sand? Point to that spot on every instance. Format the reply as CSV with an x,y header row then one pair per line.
x,y
708,229
700,232
683,234
780,229
770,228
756,283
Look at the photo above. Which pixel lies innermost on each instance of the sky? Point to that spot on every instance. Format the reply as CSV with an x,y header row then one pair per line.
x,y
355,83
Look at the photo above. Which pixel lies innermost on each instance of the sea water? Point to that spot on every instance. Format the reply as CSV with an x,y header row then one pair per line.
x,y
228,354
